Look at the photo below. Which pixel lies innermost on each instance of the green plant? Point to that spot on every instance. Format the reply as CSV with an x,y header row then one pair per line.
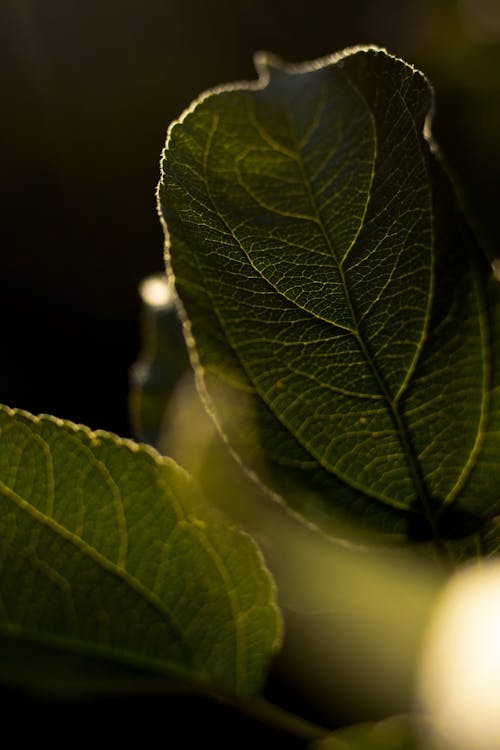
x,y
341,321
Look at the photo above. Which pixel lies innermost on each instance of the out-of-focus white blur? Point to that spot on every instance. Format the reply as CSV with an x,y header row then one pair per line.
x,y
155,291
459,677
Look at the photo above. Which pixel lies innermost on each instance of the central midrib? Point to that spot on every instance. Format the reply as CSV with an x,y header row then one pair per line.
x,y
411,458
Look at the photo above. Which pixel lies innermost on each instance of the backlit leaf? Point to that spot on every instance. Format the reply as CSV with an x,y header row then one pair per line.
x,y
335,300
107,550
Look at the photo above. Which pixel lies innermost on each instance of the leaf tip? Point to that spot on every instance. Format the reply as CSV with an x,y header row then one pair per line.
x,y
265,64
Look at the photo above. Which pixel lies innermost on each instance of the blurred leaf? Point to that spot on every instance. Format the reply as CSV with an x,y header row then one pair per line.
x,y
162,361
335,300
396,733
108,552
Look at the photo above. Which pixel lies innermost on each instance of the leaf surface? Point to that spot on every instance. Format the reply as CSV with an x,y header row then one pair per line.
x,y
335,300
107,550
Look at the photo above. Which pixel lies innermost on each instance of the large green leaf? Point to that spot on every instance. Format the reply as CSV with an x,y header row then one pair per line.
x,y
335,300
107,551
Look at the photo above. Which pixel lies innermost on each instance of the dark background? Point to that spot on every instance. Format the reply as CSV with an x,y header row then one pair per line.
x,y
88,88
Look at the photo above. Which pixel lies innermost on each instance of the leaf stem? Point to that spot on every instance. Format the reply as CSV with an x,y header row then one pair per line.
x,y
274,716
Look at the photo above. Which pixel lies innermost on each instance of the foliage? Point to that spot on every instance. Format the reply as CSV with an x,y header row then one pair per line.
x,y
342,325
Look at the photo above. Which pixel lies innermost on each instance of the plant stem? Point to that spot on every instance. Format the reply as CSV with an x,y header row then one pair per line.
x,y
274,716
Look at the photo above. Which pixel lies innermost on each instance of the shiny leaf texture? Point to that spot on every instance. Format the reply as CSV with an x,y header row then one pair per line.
x,y
107,550
339,311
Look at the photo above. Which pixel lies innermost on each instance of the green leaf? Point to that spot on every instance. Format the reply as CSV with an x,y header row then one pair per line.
x,y
108,551
162,361
395,733
334,298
